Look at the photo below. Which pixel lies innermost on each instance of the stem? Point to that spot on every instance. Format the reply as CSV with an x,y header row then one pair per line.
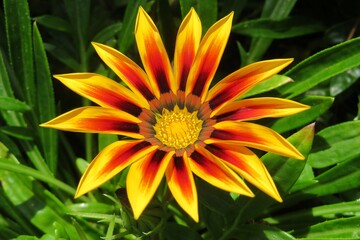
x,y
234,225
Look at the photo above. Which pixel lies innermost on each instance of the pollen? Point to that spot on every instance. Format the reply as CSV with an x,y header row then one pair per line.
x,y
177,128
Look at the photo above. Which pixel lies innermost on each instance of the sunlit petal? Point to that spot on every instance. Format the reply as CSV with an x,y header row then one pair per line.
x,y
128,71
153,54
241,81
187,43
110,161
211,169
247,165
97,120
256,108
144,178
104,91
182,186
208,57
253,135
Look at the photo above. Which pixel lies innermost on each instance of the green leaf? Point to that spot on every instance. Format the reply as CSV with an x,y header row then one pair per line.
x,y
278,29
18,30
318,105
45,101
268,85
321,67
186,5
336,144
53,22
343,81
258,231
18,132
8,103
343,177
275,10
345,228
174,231
108,32
284,171
207,11
306,217
126,38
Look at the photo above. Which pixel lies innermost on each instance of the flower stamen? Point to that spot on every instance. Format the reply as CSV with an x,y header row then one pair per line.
x,y
177,128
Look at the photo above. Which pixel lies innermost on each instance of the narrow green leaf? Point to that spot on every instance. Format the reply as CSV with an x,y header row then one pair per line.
x,y
259,231
7,103
343,177
268,85
207,11
27,171
18,132
45,101
318,105
108,32
343,81
126,34
53,22
336,144
321,67
18,30
320,213
275,10
186,5
278,29
343,228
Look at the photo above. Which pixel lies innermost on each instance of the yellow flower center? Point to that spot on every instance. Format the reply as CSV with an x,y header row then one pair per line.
x,y
177,128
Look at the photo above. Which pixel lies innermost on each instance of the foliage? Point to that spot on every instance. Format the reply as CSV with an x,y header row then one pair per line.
x,y
40,168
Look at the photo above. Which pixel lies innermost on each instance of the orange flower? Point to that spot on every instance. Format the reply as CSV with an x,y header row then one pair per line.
x,y
175,125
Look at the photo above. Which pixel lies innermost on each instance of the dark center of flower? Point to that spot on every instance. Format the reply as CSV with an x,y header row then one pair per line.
x,y
177,128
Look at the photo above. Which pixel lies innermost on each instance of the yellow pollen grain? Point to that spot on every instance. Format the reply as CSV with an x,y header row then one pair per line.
x,y
177,128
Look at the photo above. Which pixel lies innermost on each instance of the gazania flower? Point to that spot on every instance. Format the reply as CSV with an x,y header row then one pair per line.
x,y
175,126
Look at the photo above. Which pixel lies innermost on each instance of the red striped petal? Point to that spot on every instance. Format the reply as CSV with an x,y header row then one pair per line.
x,y
241,81
128,71
252,135
211,169
153,54
144,178
104,91
182,186
187,43
208,57
110,161
247,165
97,120
256,108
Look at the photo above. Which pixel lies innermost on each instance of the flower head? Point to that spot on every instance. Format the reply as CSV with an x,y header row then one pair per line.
x,y
175,125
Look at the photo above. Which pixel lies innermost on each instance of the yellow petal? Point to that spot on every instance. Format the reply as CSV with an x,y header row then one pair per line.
x,y
144,178
182,186
103,91
257,108
110,161
208,57
208,167
128,71
97,120
153,54
252,135
241,81
187,43
247,165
